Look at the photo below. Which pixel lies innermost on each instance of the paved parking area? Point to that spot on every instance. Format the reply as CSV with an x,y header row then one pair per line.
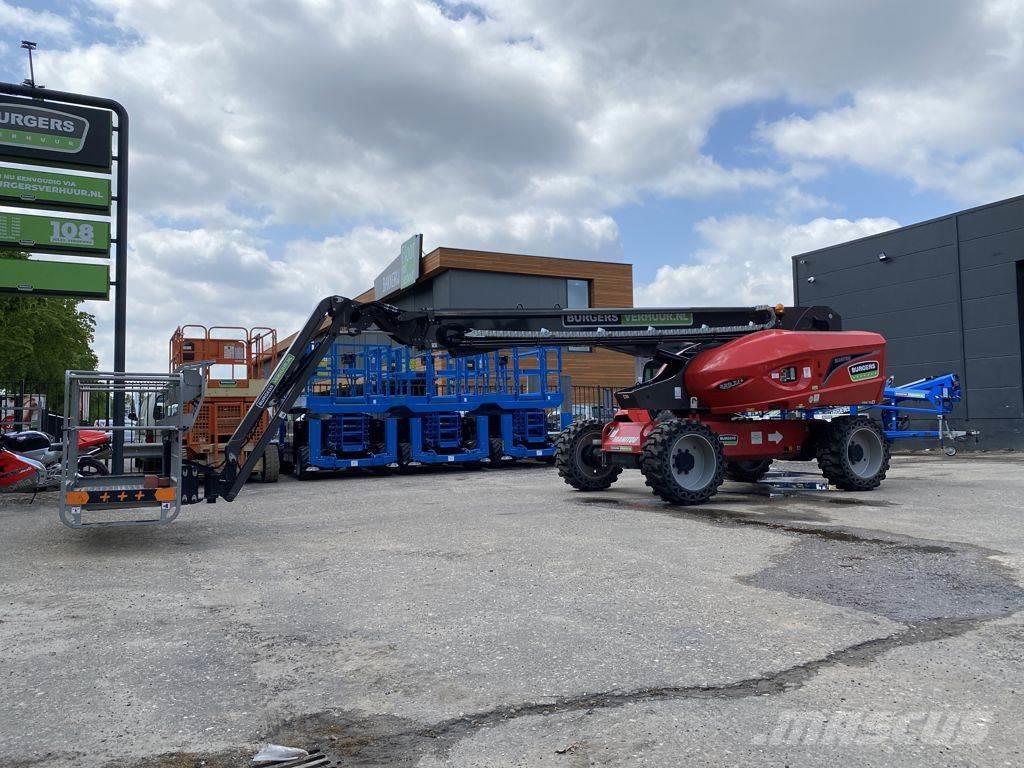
x,y
498,618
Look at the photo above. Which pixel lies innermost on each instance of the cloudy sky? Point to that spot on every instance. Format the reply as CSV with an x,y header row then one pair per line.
x,y
282,150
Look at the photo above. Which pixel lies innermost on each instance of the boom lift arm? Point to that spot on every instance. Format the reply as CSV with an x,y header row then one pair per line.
x,y
658,333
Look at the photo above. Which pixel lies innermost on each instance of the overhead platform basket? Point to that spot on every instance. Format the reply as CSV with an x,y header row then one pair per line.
x,y
151,497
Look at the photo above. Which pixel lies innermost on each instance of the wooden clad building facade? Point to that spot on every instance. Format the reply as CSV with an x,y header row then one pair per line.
x,y
457,278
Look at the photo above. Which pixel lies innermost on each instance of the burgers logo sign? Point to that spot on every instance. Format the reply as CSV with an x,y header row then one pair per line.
x,y
24,125
51,133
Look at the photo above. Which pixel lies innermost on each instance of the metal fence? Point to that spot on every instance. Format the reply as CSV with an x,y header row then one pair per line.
x,y
590,402
31,405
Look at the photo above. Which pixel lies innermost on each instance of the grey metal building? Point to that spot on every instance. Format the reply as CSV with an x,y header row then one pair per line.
x,y
948,294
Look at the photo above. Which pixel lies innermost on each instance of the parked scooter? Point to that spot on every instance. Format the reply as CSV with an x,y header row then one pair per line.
x,y
30,460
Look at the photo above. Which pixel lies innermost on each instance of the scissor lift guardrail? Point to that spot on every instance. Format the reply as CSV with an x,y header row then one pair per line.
x,y
149,498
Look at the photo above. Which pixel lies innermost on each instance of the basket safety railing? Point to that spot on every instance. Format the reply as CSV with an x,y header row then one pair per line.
x,y
154,429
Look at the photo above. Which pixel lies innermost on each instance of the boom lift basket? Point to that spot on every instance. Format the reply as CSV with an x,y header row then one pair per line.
x,y
173,399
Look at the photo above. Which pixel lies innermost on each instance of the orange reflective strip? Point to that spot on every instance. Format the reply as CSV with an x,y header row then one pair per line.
x,y
77,498
164,494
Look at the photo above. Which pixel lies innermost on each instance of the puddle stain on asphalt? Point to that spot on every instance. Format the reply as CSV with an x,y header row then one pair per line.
x,y
937,590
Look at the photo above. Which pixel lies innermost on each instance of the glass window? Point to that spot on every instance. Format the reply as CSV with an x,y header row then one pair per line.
x,y
577,296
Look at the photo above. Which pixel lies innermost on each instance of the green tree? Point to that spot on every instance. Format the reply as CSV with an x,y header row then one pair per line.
x,y
41,337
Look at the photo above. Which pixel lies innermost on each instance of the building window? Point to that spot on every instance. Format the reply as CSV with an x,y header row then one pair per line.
x,y
577,293
577,296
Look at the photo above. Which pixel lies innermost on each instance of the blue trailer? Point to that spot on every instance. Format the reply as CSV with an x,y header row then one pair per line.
x,y
932,397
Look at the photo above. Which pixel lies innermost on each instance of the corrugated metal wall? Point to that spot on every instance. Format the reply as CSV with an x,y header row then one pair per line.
x,y
947,297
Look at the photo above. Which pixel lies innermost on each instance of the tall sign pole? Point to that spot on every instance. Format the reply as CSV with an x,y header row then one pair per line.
x,y
49,153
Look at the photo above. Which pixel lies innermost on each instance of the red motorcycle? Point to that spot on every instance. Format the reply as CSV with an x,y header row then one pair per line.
x,y
30,460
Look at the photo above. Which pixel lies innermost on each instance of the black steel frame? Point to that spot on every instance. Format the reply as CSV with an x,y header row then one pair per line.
x,y
120,239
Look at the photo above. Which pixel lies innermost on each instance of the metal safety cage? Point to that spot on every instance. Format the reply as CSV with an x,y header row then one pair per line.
x,y
342,420
151,495
354,375
533,375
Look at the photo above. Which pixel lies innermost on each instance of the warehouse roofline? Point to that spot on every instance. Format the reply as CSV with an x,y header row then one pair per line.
x,y
975,209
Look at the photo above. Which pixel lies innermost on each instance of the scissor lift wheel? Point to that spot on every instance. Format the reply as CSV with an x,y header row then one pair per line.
x,y
271,464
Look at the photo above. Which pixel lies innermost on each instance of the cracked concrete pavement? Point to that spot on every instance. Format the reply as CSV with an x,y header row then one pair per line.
x,y
499,618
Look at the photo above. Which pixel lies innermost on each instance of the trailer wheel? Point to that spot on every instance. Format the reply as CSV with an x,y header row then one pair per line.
x,y
271,464
579,460
854,453
683,461
301,460
747,471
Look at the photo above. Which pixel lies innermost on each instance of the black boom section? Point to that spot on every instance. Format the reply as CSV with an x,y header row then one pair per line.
x,y
633,331
332,317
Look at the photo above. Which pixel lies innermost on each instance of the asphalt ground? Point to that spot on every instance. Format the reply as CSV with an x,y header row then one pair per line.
x,y
499,618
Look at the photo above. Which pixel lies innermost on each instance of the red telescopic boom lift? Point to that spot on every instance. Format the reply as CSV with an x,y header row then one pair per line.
x,y
730,389
733,388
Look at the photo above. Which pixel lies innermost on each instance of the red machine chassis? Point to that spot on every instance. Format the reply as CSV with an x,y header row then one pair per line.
x,y
627,432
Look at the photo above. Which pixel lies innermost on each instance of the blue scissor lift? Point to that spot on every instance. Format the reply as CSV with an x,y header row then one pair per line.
x,y
441,408
345,417
375,406
527,385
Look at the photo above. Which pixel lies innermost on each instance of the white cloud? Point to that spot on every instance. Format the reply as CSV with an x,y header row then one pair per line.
x,y
518,128
958,131
747,260
228,277
23,20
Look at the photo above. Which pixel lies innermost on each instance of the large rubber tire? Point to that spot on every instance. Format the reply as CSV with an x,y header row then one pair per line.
x,y
301,460
90,467
853,453
747,471
578,459
271,464
404,456
496,451
683,462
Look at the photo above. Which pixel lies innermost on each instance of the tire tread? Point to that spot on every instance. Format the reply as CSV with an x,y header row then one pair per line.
x,y
565,452
656,468
832,458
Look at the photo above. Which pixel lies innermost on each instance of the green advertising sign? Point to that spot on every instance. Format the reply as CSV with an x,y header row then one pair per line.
x,y
42,189
54,278
54,134
55,235
410,258
403,271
